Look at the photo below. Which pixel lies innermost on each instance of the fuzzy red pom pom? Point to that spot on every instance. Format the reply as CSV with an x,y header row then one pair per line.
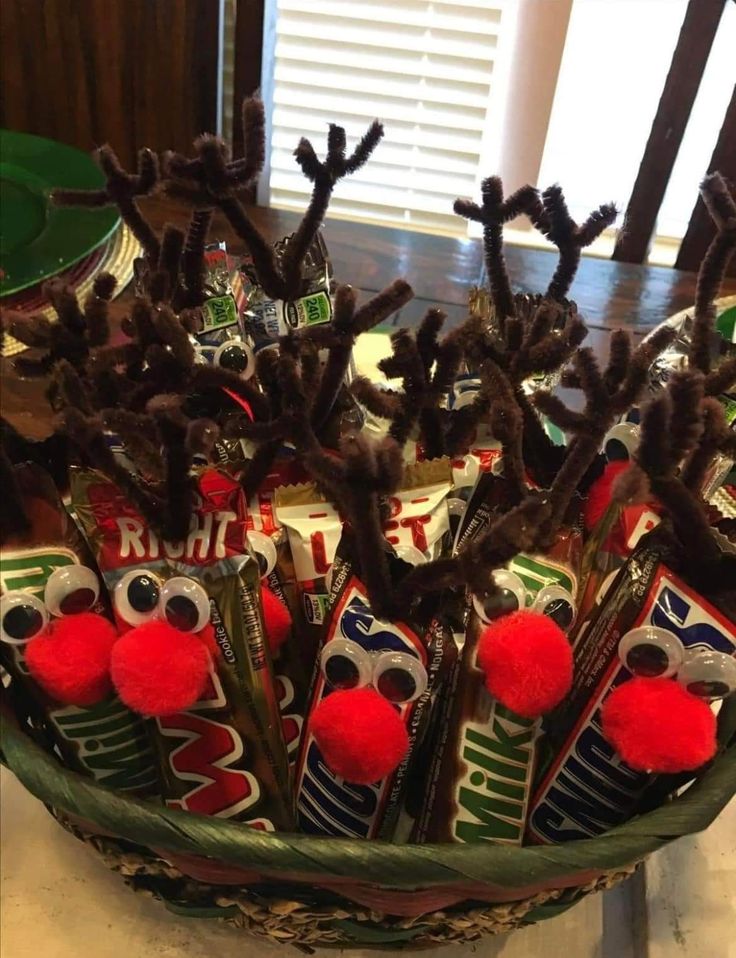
x,y
361,735
72,660
158,670
276,619
656,725
599,494
527,661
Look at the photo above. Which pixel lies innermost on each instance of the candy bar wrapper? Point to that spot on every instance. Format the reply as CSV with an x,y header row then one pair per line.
x,y
676,357
326,804
418,523
480,785
586,788
107,741
225,756
269,540
267,319
221,338
314,528
617,534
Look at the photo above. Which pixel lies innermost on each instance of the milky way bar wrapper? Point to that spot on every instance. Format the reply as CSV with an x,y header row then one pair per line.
x,y
224,756
587,789
107,741
326,804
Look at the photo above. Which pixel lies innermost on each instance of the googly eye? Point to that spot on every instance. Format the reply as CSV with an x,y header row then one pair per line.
x,y
136,597
70,590
202,355
557,604
620,441
707,674
345,664
651,652
456,507
409,553
399,677
235,356
22,617
265,551
184,604
510,596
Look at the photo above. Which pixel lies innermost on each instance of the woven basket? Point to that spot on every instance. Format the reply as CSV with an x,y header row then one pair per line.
x,y
323,891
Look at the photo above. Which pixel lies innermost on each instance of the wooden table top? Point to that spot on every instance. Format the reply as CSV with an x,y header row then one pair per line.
x,y
440,269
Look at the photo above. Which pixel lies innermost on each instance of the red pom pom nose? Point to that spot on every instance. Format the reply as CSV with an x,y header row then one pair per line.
x,y
72,660
276,619
361,736
656,725
158,670
527,661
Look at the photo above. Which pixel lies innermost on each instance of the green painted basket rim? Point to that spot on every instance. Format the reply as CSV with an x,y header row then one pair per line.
x,y
379,863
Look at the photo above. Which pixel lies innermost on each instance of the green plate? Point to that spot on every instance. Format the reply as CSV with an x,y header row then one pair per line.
x,y
37,239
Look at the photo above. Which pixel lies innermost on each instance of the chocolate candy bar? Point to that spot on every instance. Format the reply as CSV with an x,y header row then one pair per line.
x,y
480,785
225,755
314,528
586,788
106,741
421,661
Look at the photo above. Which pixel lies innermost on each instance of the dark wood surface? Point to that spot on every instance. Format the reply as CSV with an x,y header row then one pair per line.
x,y
680,89
700,227
440,269
125,72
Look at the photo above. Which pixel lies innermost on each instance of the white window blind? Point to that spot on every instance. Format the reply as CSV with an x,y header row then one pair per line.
x,y
424,67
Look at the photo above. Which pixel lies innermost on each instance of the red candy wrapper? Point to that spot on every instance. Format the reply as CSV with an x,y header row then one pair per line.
x,y
225,755
106,741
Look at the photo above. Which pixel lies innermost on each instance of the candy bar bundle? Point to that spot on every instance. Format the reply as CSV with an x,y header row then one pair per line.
x,y
451,606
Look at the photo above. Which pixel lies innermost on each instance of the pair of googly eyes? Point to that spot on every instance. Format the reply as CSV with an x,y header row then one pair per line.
x,y
511,595
69,590
233,355
397,676
653,652
141,597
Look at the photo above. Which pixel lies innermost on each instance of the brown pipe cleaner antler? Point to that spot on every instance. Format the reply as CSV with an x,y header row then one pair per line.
x,y
555,222
76,332
213,178
293,384
608,395
722,208
672,428
493,212
427,368
122,190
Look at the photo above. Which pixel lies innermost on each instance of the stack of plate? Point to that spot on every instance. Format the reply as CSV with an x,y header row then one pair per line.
x,y
39,240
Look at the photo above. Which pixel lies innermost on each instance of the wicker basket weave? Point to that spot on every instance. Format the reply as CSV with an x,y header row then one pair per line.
x,y
316,891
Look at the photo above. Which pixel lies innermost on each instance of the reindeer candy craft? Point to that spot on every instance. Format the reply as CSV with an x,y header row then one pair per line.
x,y
57,637
426,632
